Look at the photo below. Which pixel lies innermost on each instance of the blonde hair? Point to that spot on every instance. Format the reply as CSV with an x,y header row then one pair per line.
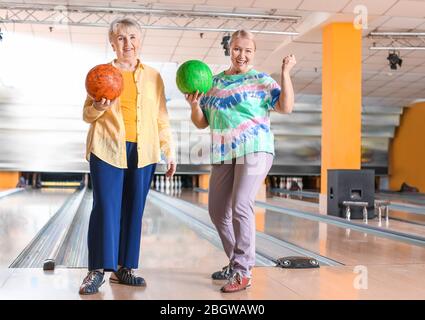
x,y
122,22
244,34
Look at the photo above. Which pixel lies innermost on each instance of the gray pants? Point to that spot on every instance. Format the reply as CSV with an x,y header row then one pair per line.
x,y
232,190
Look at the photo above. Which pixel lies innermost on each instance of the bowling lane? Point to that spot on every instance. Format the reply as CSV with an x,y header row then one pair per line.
x,y
347,246
175,260
6,192
22,215
167,242
403,197
400,223
409,202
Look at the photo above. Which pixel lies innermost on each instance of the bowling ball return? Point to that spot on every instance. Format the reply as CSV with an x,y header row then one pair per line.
x,y
295,262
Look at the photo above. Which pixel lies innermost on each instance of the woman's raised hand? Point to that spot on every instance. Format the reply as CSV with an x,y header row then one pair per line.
x,y
288,63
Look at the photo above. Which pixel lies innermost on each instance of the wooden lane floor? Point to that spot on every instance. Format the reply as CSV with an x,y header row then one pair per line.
x,y
403,197
176,263
271,283
162,235
167,242
347,246
311,206
8,191
399,220
22,215
361,283
344,245
392,224
407,216
162,284
408,208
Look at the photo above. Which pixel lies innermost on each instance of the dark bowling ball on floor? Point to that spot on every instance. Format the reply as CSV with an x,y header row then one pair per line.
x,y
48,265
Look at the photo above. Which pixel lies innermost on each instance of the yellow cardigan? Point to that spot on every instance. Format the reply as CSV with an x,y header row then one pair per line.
x,y
106,136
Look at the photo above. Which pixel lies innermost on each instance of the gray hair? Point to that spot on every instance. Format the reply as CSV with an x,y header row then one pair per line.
x,y
245,34
122,22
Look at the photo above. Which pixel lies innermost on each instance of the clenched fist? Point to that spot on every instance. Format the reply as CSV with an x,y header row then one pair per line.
x,y
288,63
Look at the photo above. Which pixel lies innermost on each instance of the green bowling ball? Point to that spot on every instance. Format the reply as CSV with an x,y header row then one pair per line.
x,y
192,76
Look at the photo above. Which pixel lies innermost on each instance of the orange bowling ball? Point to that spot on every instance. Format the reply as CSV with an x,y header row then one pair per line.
x,y
104,81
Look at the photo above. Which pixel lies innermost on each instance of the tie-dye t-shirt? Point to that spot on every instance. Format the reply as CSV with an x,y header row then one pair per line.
x,y
237,109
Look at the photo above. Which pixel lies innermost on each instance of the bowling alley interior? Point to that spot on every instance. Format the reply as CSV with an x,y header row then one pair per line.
x,y
340,215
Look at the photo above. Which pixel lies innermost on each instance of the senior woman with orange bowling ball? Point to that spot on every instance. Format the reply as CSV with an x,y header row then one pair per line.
x,y
124,144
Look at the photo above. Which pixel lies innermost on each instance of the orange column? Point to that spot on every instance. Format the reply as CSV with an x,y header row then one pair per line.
x,y
341,100
9,179
407,150
204,183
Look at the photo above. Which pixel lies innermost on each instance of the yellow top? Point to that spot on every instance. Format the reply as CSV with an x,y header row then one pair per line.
x,y
128,100
106,136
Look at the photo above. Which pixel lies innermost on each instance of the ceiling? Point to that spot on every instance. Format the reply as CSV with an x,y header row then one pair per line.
x,y
380,84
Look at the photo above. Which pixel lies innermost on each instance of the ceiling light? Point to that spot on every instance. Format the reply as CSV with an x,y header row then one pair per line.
x,y
394,60
225,42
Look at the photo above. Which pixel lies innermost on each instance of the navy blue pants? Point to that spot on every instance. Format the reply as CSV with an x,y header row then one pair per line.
x,y
119,197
